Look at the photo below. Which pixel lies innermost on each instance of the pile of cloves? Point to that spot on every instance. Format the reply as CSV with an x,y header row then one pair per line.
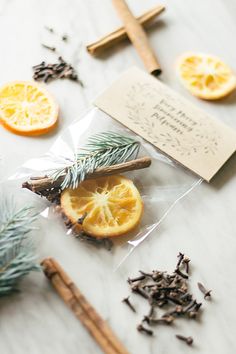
x,y
61,70
168,292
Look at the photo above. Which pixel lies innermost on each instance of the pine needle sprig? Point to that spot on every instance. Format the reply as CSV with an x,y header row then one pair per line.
x,y
17,257
103,149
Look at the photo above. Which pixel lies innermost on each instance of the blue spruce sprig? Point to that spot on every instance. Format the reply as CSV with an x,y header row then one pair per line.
x,y
17,256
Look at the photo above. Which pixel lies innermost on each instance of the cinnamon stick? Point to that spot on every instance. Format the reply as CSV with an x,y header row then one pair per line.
x,y
138,37
120,34
37,185
93,322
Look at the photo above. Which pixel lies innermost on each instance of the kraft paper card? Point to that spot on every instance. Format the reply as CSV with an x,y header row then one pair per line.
x,y
169,122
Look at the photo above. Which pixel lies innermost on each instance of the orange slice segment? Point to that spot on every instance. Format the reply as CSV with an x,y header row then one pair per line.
x,y
26,108
112,205
206,76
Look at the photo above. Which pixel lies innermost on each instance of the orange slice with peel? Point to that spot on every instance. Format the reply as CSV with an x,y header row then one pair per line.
x,y
206,76
111,206
27,108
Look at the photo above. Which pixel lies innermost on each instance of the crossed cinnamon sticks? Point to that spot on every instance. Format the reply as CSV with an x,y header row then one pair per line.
x,y
97,327
120,34
133,29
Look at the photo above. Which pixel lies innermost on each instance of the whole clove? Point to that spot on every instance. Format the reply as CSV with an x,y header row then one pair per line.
x,y
138,290
207,293
183,261
180,259
64,38
81,219
177,311
187,340
126,300
143,329
178,271
61,70
49,29
145,273
186,261
133,280
186,297
53,49
189,306
174,300
168,320
192,308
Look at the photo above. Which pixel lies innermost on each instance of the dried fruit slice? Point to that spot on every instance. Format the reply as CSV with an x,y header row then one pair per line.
x,y
112,205
206,76
26,108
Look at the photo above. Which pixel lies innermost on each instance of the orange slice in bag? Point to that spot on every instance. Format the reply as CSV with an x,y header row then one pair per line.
x,y
112,206
206,76
26,108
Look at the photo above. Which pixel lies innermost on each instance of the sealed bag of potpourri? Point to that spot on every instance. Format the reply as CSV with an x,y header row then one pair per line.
x,y
113,175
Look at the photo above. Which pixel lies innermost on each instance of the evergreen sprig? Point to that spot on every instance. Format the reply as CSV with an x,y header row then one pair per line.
x,y
103,149
16,250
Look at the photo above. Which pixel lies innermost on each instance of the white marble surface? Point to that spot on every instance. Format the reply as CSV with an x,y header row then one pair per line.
x,y
202,225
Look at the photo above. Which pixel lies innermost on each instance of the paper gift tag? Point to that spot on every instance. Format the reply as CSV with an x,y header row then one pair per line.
x,y
169,122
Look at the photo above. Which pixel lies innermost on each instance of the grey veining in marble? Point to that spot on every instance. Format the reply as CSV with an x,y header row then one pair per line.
x,y
202,225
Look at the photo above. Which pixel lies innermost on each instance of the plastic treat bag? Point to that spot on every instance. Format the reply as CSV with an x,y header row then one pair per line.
x,y
161,185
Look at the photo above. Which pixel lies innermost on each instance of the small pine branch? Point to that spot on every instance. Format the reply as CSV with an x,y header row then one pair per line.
x,y
103,149
17,258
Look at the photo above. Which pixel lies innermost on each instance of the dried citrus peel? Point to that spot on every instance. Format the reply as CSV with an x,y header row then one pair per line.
x,y
205,76
26,108
112,206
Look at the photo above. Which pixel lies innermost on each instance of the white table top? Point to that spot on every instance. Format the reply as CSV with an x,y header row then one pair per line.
x,y
202,225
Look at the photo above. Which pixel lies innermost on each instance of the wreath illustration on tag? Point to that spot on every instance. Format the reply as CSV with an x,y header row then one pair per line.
x,y
138,99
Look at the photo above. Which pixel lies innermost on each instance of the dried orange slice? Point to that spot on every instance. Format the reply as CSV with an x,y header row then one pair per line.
x,y
206,76
26,108
112,205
